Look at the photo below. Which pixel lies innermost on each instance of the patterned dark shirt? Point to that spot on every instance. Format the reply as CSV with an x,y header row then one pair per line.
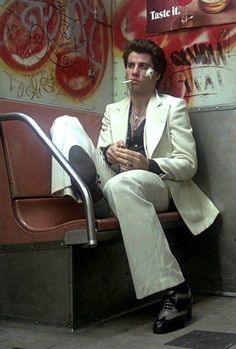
x,y
135,143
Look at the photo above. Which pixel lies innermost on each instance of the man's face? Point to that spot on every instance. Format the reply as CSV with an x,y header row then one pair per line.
x,y
137,66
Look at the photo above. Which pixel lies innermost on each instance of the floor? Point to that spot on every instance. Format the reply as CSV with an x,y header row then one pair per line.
x,y
213,327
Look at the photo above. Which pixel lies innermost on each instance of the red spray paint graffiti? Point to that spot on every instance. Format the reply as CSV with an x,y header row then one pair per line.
x,y
25,30
129,22
192,54
73,37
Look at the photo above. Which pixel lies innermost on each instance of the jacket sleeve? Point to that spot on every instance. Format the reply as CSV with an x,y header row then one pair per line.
x,y
105,137
181,162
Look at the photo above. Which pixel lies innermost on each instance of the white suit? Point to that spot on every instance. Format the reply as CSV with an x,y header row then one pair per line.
x,y
136,195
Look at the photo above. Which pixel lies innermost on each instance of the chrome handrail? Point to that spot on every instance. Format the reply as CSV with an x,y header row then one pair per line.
x,y
89,211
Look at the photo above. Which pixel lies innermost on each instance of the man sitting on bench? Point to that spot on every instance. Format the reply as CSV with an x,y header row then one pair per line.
x,y
145,157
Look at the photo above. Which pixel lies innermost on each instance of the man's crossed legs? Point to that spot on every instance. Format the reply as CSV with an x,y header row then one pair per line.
x,y
134,197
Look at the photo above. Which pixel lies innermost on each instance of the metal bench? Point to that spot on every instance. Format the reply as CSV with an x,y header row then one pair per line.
x,y
34,224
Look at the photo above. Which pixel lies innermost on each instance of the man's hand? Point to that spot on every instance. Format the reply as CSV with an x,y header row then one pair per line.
x,y
130,159
111,152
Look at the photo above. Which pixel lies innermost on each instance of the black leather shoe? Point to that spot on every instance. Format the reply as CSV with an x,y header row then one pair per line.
x,y
175,312
81,162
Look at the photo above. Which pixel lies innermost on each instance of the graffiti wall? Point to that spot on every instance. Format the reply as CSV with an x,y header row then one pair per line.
x,y
69,53
201,61
202,65
56,51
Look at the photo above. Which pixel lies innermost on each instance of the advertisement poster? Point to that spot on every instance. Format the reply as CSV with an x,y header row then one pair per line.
x,y
168,15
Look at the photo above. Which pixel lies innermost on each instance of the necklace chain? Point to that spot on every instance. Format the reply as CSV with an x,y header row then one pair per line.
x,y
136,119
140,114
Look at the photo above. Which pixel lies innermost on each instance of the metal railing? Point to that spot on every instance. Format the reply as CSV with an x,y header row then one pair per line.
x,y
85,193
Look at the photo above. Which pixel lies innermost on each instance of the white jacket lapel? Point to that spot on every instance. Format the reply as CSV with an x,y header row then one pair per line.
x,y
155,124
119,120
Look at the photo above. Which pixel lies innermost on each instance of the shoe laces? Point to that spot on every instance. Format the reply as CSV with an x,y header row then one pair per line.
x,y
169,303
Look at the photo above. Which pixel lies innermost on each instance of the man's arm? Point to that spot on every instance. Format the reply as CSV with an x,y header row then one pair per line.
x,y
182,162
105,136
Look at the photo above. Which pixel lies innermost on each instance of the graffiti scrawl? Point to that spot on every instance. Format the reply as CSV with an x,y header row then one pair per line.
x,y
70,37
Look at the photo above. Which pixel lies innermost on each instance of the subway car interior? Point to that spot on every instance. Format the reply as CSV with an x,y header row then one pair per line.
x,y
66,280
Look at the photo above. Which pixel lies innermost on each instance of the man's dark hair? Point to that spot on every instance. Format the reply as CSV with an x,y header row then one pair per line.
x,y
148,46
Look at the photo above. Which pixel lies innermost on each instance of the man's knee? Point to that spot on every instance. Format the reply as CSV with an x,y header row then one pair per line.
x,y
137,184
120,184
67,122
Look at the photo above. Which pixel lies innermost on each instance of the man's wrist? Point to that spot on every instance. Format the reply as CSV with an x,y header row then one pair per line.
x,y
154,167
104,150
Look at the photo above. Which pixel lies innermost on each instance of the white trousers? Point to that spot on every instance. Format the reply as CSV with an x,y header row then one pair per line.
x,y
134,196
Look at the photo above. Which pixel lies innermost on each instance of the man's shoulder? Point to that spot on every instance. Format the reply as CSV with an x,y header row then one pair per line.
x,y
172,100
119,104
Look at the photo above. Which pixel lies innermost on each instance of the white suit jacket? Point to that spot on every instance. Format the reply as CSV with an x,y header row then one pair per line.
x,y
169,141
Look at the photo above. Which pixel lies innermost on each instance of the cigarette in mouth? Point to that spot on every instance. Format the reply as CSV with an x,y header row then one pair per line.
x,y
126,81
